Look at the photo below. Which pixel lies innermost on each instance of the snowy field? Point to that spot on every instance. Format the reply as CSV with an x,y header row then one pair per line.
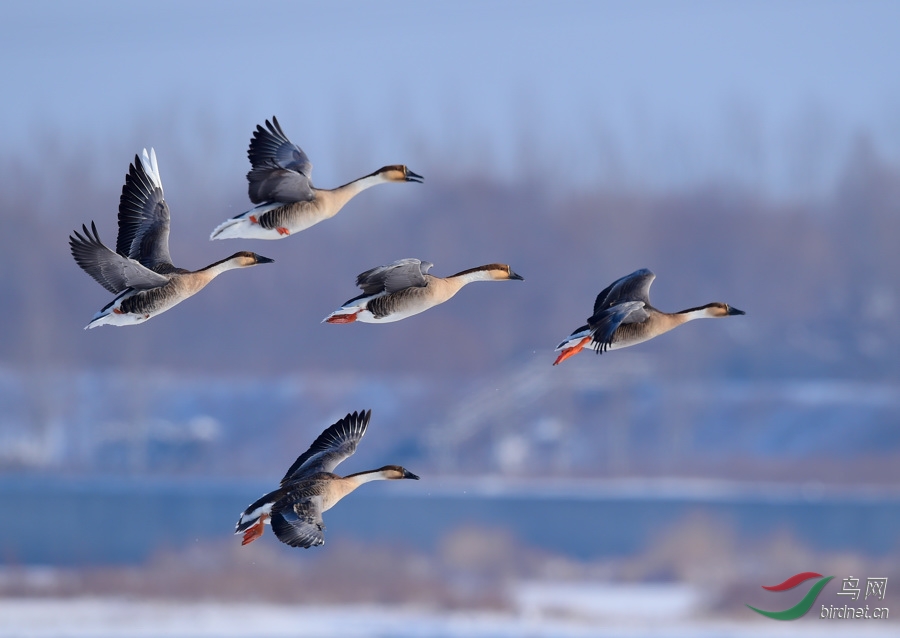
x,y
100,618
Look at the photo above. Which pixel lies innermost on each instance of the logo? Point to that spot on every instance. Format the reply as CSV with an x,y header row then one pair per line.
x,y
793,613
876,588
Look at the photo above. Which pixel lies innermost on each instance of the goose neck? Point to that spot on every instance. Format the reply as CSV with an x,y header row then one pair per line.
x,y
364,477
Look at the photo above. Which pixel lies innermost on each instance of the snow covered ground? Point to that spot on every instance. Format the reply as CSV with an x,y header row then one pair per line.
x,y
101,618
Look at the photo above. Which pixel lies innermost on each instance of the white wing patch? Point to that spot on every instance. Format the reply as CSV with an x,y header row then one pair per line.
x,y
151,167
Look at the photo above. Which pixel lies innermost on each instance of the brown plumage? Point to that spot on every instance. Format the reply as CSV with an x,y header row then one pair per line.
x,y
404,288
140,272
310,487
624,317
279,182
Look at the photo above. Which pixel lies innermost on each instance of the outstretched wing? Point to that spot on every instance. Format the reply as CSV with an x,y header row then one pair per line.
x,y
111,270
633,287
300,525
606,322
144,215
280,170
400,275
331,447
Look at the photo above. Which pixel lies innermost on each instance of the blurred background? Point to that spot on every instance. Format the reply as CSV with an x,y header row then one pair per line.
x,y
745,152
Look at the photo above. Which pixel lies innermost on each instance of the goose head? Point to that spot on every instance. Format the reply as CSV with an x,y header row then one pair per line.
x,y
502,272
398,173
489,272
395,472
245,258
718,309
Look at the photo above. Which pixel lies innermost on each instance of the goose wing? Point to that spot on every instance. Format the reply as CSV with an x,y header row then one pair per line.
x,y
331,447
633,287
280,170
144,215
300,525
604,324
111,270
400,275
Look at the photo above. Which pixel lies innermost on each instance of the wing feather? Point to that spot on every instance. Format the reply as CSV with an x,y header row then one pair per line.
x,y
300,525
144,215
604,324
280,170
331,447
633,287
111,270
400,275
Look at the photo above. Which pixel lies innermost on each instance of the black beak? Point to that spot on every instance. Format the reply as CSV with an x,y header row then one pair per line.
x,y
409,475
412,177
735,311
264,260
516,276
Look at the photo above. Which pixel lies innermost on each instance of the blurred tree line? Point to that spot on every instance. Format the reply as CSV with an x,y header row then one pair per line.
x,y
818,278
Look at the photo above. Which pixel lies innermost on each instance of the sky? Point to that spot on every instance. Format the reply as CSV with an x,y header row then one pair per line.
x,y
643,94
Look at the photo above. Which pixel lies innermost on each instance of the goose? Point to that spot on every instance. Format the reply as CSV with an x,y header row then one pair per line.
x,y
280,185
624,317
140,272
310,487
404,288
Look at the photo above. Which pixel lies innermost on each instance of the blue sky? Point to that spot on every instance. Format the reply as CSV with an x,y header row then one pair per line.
x,y
641,93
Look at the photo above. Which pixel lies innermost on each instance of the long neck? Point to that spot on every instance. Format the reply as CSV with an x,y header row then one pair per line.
x,y
451,285
214,270
341,487
468,276
689,315
337,197
355,480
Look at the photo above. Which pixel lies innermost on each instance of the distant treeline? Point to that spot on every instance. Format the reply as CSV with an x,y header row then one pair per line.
x,y
818,279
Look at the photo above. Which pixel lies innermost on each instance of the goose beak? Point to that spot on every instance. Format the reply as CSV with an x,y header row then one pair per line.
x,y
516,276
264,260
409,475
735,311
413,177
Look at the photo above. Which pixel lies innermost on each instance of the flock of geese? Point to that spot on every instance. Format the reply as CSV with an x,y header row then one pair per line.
x,y
145,282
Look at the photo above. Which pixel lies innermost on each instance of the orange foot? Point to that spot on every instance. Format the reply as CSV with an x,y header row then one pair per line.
x,y
253,219
256,531
283,231
341,319
571,352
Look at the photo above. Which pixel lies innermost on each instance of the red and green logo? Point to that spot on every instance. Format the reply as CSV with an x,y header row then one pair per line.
x,y
793,613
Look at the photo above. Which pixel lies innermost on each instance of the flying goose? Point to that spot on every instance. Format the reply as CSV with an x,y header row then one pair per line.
x,y
624,317
310,487
404,288
140,272
280,185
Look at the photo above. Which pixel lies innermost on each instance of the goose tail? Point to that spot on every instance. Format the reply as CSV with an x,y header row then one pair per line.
x,y
100,319
342,315
252,521
229,229
247,226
